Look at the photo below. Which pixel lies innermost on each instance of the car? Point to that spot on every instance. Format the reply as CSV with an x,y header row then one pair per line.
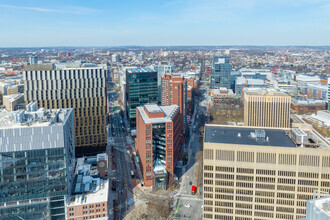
x,y
187,205
190,183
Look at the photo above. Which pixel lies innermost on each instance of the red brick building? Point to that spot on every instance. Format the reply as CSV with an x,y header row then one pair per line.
x,y
174,91
158,141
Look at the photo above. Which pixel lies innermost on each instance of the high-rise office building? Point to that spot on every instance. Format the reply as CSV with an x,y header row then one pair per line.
x,y
84,90
220,76
36,162
141,88
157,143
174,91
257,173
267,108
33,60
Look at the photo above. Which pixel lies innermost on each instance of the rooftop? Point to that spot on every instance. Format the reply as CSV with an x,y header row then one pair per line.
x,y
100,196
242,80
169,112
153,108
247,136
12,98
32,117
88,186
140,70
323,204
265,91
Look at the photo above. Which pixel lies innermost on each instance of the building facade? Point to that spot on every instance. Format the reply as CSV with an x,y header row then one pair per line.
x,y
36,163
84,90
220,76
174,92
242,83
141,88
162,68
89,198
13,102
158,142
260,173
267,108
224,98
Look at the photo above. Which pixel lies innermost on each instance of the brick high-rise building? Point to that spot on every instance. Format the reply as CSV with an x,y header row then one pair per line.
x,y
157,143
267,108
82,89
261,173
174,91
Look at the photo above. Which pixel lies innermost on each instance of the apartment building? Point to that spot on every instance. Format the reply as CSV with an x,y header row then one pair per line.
x,y
261,173
80,88
157,143
266,108
36,162
174,92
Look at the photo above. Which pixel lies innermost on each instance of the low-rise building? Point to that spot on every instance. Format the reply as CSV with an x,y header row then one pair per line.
x,y
13,102
302,105
224,98
89,198
242,82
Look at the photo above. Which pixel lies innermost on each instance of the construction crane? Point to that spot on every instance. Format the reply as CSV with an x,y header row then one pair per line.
x,y
275,71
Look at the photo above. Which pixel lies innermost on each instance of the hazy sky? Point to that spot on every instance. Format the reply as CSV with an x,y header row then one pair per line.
x,y
163,22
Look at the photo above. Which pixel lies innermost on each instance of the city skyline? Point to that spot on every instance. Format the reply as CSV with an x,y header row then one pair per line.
x,y
168,23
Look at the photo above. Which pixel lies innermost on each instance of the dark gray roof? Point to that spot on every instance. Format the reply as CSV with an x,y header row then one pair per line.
x,y
243,136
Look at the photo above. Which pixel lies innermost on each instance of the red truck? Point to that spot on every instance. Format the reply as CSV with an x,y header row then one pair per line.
x,y
193,190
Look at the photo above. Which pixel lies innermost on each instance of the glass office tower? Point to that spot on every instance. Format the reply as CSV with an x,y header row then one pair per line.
x,y
141,88
220,76
36,163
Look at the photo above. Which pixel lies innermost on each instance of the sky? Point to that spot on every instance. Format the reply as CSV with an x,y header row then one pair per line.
x,y
47,23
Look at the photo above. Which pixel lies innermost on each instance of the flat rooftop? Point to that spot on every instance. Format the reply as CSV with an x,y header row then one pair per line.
x,y
265,91
140,70
169,112
12,98
94,197
247,136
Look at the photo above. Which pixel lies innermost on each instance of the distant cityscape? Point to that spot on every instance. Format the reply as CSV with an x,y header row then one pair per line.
x,y
176,132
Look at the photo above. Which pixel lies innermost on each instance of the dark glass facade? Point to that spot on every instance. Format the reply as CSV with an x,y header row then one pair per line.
x,y
33,184
220,76
141,88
